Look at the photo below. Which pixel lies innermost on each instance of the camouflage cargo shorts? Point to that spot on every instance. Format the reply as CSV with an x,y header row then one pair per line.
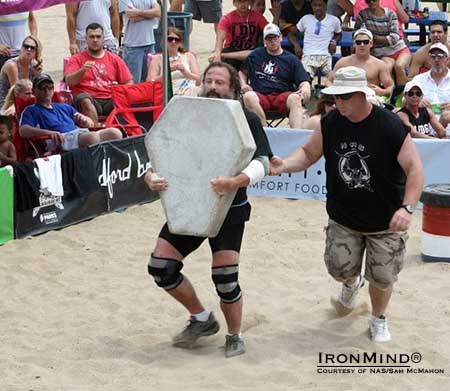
x,y
344,254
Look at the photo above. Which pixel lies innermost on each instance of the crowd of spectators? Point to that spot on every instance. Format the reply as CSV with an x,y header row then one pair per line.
x,y
279,59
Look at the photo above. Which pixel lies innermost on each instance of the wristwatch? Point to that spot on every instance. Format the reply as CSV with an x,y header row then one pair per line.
x,y
409,208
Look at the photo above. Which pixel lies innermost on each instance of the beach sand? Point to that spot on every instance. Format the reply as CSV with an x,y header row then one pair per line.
x,y
80,313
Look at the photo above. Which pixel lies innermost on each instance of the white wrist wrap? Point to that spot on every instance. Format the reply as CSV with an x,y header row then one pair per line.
x,y
255,171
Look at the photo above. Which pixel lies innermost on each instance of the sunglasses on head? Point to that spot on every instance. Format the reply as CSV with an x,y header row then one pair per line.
x,y
362,42
439,56
344,96
29,47
416,93
173,39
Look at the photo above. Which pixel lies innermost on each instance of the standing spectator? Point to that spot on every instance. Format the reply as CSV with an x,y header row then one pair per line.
x,y
91,73
13,30
185,71
421,120
388,43
421,61
140,18
291,12
26,66
210,11
277,79
238,33
321,31
82,13
436,83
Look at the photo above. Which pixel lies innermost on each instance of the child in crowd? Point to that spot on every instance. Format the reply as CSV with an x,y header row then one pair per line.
x,y
7,150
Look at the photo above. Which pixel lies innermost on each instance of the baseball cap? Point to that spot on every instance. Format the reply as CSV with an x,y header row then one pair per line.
x,y
39,79
271,29
440,46
348,80
411,84
363,31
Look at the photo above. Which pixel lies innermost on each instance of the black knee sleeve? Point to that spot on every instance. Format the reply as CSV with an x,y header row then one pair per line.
x,y
165,272
226,280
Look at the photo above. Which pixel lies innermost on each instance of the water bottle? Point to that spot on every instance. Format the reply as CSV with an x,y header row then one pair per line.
x,y
416,5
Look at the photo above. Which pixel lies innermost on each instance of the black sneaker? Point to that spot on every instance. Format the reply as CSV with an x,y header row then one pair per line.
x,y
234,345
195,330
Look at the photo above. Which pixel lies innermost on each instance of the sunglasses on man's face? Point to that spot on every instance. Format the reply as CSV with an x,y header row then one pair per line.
x,y
329,102
364,42
29,47
439,56
414,93
173,39
345,96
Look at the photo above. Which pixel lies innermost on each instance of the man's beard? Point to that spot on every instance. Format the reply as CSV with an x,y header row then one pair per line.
x,y
214,94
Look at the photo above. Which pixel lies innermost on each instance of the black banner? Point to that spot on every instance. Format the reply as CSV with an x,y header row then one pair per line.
x,y
118,169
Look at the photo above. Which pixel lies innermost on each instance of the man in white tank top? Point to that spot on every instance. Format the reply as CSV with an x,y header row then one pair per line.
x,y
82,13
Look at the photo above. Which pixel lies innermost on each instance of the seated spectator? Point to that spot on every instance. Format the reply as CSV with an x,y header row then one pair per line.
x,y
339,8
59,121
421,120
388,44
7,150
277,78
321,32
394,5
238,33
26,66
81,14
436,83
291,12
91,73
185,71
140,17
325,104
22,89
421,61
378,76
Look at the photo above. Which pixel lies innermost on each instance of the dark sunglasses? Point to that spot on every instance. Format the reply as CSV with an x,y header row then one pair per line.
x,y
416,93
46,87
440,56
28,47
173,39
371,1
329,102
362,41
344,96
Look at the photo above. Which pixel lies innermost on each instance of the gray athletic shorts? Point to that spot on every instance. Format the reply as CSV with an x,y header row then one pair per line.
x,y
344,251
210,11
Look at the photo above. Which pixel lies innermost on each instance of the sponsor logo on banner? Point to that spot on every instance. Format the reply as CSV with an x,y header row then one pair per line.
x,y
111,175
45,201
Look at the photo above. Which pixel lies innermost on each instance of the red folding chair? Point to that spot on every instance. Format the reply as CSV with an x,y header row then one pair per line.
x,y
137,106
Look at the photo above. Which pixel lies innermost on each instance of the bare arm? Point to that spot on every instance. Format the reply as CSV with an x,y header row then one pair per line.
x,y
403,17
342,62
74,78
11,72
71,17
220,39
32,24
115,18
155,69
195,73
150,13
416,63
346,5
409,160
437,126
386,80
27,131
243,77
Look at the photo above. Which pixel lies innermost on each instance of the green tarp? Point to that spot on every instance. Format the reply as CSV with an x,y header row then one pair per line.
x,y
6,204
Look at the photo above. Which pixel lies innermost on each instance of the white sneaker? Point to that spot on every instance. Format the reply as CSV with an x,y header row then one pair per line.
x,y
346,301
379,330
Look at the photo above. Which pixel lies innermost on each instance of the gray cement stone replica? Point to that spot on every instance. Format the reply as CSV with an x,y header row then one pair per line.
x,y
194,141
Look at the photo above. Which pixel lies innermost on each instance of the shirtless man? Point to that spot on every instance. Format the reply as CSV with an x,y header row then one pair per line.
x,y
377,73
421,60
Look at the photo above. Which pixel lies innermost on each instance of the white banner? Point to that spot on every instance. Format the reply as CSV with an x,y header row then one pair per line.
x,y
310,184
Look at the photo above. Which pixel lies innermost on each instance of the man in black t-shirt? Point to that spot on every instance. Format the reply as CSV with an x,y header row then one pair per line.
x,y
220,80
374,180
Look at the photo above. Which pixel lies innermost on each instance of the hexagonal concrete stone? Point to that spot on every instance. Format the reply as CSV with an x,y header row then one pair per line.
x,y
194,141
